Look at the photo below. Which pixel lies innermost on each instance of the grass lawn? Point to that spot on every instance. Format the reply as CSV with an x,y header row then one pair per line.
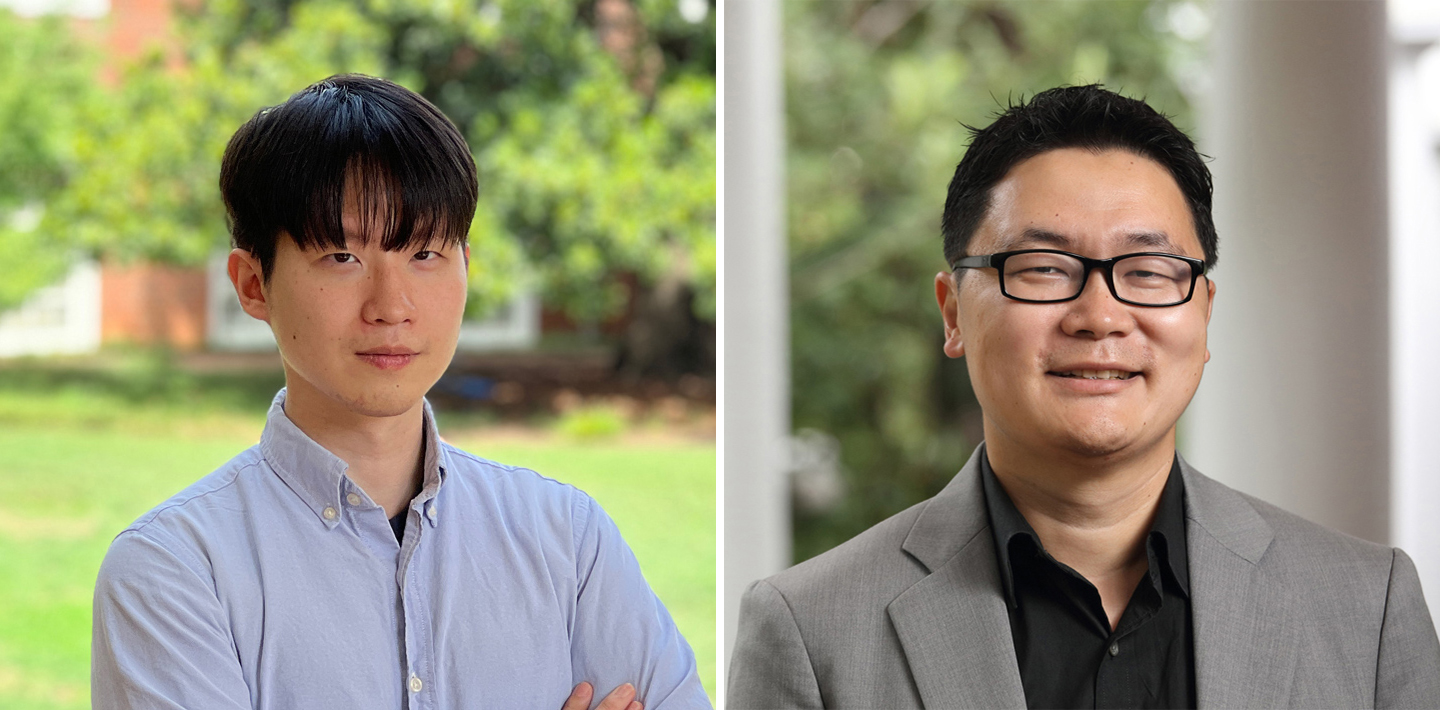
x,y
76,468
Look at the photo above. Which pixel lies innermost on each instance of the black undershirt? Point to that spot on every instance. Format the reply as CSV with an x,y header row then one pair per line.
x,y
397,524
1067,654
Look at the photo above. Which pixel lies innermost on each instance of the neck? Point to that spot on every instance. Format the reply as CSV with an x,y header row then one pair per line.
x,y
385,454
1091,513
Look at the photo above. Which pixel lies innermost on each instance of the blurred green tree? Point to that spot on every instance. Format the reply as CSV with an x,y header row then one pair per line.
x,y
46,86
878,94
593,125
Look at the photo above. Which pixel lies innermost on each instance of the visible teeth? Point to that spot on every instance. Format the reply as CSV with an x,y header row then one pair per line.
x,y
1098,374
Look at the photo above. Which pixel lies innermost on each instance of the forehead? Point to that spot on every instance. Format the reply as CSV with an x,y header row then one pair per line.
x,y
1094,203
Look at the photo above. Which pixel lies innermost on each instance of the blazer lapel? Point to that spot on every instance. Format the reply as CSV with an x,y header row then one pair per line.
x,y
953,625
1245,649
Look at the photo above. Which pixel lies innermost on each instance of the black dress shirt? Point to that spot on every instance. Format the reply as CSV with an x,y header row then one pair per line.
x,y
1068,656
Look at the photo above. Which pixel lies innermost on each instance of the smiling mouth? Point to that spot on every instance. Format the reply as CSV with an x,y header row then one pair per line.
x,y
1096,374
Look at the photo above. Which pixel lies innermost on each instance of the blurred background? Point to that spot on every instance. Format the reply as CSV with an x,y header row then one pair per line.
x,y
843,125
127,369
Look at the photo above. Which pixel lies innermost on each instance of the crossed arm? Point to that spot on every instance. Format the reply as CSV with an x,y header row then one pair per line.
x,y
162,639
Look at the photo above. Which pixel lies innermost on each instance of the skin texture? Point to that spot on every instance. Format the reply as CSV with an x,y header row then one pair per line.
x,y
1084,461
326,306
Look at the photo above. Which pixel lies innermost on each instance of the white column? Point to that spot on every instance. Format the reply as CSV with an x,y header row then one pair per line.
x,y
1294,405
1414,120
755,365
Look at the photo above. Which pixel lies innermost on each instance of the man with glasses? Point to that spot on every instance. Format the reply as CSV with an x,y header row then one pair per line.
x,y
1076,560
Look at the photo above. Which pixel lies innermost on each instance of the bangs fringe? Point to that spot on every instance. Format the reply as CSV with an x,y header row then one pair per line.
x,y
401,219
292,168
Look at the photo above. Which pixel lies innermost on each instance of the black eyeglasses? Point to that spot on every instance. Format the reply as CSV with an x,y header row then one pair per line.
x,y
1149,279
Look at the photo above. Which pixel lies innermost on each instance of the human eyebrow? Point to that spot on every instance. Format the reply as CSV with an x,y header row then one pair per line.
x,y
1033,236
1157,241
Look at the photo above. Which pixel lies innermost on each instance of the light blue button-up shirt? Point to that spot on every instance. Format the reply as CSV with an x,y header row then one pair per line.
x,y
275,582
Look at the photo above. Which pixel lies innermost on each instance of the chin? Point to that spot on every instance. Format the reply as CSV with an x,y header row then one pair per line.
x,y
1098,439
386,402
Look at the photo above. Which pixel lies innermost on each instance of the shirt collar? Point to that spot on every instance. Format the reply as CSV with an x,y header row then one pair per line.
x,y
318,476
1166,533
1169,527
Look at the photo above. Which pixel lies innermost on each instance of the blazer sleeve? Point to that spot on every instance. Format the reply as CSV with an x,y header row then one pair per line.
x,y
1408,668
770,667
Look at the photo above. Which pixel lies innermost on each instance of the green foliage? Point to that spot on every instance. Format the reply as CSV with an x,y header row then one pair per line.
x,y
876,111
46,85
590,167
591,423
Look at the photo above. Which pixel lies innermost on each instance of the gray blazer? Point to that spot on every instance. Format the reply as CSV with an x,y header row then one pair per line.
x,y
910,614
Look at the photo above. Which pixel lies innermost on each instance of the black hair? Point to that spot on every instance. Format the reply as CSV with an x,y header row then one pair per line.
x,y
1088,117
287,169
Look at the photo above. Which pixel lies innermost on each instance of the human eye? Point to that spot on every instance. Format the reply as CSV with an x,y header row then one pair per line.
x,y
341,257
1041,266
1153,271
426,255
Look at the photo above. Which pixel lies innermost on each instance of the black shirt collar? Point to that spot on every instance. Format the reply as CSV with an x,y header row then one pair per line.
x,y
1166,538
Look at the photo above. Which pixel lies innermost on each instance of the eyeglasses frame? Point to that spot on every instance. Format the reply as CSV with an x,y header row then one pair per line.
x,y
1106,266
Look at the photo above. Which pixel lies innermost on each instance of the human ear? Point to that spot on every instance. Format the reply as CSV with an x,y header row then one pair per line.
x,y
1209,307
248,280
947,296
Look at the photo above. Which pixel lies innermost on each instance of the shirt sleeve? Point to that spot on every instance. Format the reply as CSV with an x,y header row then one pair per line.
x,y
622,632
160,637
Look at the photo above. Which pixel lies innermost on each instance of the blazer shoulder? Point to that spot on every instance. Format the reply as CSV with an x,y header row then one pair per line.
x,y
1267,535
1299,536
1335,572
868,565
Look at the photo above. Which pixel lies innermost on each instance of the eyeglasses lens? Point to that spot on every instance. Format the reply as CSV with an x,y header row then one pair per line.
x,y
1148,280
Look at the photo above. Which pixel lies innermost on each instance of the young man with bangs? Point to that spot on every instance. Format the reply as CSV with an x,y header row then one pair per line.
x,y
352,559
1076,560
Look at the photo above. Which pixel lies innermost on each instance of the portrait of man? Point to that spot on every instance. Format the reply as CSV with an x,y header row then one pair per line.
x,y
1076,559
352,558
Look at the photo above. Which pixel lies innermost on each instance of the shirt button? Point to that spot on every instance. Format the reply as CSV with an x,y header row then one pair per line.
x,y
1115,649
353,499
329,513
431,513
415,684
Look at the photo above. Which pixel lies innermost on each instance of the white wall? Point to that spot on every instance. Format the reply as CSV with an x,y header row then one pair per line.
x,y
63,319
1414,149
1294,406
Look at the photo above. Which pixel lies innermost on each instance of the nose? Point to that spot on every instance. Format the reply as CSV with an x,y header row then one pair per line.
x,y
1096,314
388,300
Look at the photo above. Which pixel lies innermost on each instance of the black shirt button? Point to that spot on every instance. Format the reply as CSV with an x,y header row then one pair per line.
x,y
1115,649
